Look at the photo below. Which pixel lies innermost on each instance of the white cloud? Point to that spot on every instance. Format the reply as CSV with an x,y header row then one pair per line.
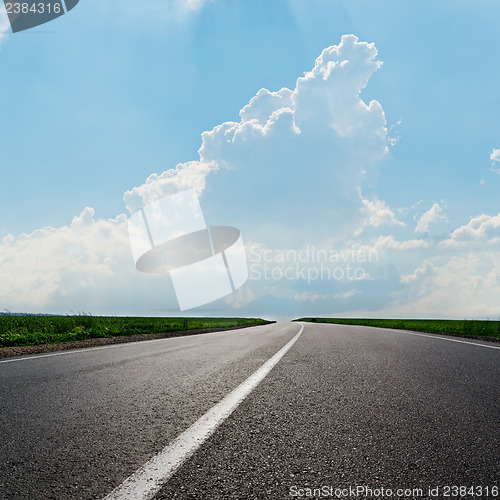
x,y
4,22
265,103
482,229
390,243
330,93
456,277
320,136
495,160
309,297
85,266
185,175
426,270
315,143
464,286
434,214
288,174
378,214
345,295
196,4
38,267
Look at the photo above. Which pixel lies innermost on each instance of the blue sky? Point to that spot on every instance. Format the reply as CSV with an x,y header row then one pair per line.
x,y
96,101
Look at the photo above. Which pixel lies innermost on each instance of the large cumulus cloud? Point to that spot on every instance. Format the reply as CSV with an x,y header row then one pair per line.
x,y
311,146
85,266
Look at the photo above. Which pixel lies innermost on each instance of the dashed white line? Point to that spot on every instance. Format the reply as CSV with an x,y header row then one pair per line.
x,y
150,478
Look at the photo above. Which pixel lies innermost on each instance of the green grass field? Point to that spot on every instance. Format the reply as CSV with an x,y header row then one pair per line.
x,y
477,328
17,330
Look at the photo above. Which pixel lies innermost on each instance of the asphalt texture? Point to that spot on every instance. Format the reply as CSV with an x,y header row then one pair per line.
x,y
75,425
346,407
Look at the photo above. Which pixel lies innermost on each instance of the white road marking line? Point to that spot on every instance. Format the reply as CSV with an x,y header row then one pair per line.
x,y
152,476
71,351
437,336
88,349
121,344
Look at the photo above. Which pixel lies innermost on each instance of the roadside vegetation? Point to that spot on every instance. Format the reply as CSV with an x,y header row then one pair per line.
x,y
26,330
477,328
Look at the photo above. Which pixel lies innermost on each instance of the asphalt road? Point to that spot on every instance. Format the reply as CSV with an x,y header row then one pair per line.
x,y
345,407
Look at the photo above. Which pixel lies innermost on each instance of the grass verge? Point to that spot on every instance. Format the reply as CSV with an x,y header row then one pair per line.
x,y
467,328
27,330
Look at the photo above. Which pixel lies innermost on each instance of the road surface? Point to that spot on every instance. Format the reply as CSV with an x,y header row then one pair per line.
x,y
344,406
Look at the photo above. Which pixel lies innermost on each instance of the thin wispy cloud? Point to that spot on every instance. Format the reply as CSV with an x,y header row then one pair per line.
x,y
433,215
495,160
